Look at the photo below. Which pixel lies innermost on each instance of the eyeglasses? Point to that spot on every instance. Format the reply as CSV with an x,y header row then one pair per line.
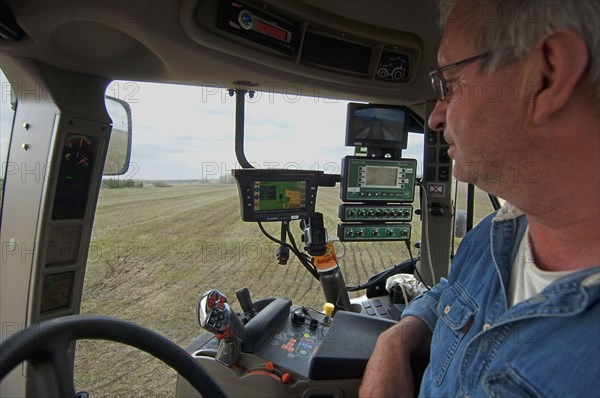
x,y
440,85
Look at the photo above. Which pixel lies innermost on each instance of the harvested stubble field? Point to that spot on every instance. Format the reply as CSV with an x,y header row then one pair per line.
x,y
155,250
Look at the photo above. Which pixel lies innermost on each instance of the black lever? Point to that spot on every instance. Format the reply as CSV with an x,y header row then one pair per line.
x,y
243,296
283,251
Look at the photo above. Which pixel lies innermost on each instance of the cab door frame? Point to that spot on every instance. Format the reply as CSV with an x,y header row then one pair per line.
x,y
52,105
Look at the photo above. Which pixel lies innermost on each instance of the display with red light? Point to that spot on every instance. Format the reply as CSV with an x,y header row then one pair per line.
x,y
271,30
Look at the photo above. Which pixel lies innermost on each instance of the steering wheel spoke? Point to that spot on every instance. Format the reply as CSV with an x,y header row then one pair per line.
x,y
54,372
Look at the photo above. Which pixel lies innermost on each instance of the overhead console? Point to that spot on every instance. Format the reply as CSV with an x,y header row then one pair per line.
x,y
299,37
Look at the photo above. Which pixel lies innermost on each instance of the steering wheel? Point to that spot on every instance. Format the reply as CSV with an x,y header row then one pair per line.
x,y
45,345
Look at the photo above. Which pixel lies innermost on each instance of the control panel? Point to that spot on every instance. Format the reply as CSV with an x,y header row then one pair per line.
x,y
292,345
291,351
373,232
259,27
378,180
304,343
295,345
383,187
362,212
437,181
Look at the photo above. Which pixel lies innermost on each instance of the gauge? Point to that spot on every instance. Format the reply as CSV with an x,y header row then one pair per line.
x,y
79,153
74,177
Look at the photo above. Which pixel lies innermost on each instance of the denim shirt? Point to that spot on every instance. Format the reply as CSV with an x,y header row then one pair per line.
x,y
546,346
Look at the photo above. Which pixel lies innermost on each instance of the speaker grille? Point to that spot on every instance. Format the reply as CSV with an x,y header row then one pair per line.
x,y
335,53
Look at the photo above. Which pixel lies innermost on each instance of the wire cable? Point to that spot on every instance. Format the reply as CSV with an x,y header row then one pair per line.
x,y
282,243
453,220
416,269
304,259
404,295
377,278
424,209
495,202
294,250
290,235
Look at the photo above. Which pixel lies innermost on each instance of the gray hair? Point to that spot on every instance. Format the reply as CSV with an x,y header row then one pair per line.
x,y
510,28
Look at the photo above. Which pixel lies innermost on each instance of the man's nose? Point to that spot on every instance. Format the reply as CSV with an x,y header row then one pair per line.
x,y
437,119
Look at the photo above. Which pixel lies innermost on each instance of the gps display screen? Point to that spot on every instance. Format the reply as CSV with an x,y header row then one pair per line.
x,y
273,196
268,195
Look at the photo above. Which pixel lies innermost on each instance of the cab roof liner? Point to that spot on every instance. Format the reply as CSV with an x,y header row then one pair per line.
x,y
368,50
9,28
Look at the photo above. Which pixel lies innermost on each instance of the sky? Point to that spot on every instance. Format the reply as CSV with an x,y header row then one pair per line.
x,y
185,132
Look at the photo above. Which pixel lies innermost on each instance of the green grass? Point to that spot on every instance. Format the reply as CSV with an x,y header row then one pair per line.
x,y
155,250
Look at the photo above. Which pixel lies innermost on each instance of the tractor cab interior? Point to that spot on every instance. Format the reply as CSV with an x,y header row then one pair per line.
x,y
65,127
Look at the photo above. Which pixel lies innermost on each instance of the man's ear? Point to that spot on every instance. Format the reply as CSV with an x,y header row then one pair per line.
x,y
562,60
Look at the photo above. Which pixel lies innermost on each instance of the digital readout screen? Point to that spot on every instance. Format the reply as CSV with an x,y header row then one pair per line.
x,y
279,196
57,290
381,176
272,31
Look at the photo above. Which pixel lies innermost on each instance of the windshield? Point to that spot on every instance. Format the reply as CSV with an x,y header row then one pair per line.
x,y
170,228
186,133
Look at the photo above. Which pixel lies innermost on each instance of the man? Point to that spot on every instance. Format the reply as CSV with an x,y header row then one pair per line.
x,y
519,103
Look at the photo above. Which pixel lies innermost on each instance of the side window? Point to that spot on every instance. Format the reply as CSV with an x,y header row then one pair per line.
x,y
7,113
482,208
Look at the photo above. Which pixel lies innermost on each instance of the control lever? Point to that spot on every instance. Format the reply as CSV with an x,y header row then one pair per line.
x,y
243,296
215,316
325,260
283,251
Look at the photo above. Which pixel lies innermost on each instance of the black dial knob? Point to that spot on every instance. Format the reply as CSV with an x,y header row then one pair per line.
x,y
298,318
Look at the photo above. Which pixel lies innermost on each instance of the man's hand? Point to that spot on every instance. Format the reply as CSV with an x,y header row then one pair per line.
x,y
388,373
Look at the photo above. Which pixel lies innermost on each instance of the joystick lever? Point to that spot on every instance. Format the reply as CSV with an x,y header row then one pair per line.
x,y
215,316
243,296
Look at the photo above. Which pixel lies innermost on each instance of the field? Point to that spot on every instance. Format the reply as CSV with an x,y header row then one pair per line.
x,y
155,250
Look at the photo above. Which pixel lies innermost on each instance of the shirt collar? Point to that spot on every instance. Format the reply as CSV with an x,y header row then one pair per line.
x,y
507,212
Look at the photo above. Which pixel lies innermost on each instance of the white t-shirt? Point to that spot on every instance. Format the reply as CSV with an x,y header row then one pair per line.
x,y
526,279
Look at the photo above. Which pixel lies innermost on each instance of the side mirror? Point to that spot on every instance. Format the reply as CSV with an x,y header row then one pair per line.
x,y
119,147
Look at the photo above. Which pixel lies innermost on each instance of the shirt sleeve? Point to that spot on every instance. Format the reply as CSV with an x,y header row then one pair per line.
x,y
424,306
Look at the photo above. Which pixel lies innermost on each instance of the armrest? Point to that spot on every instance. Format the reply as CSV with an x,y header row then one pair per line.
x,y
347,347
